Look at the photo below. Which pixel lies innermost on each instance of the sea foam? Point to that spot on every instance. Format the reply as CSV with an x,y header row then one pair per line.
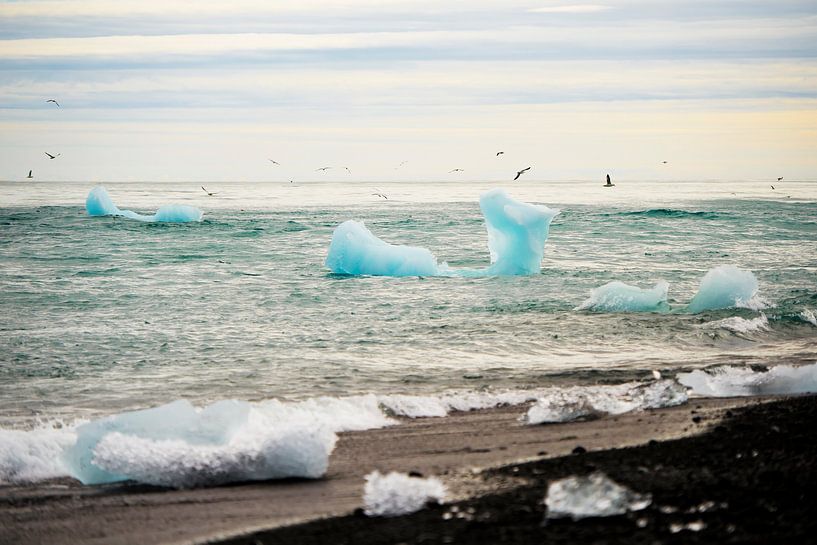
x,y
99,203
727,381
517,233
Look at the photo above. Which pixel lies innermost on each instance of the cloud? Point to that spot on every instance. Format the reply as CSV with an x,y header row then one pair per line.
x,y
571,8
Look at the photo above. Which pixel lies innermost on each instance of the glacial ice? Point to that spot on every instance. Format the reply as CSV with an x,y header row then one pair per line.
x,y
726,286
594,495
517,233
178,445
355,250
567,404
620,297
808,316
99,203
728,381
397,494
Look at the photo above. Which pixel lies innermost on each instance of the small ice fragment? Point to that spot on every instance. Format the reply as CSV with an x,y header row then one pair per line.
x,y
726,286
808,316
594,495
398,494
560,408
694,526
620,297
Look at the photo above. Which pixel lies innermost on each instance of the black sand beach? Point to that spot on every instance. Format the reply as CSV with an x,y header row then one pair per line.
x,y
744,468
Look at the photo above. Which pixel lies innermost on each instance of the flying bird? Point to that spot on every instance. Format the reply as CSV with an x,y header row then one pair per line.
x,y
209,193
380,193
780,178
30,175
275,162
347,170
772,187
456,170
664,162
518,174
52,156
54,101
322,169
500,153
401,164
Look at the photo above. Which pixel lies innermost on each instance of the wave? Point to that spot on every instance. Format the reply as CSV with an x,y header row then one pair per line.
x,y
736,324
670,213
728,381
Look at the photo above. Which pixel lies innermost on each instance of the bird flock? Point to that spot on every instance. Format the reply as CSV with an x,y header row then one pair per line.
x,y
324,169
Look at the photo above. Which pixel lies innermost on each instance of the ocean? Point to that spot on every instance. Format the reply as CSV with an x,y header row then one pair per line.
x,y
100,315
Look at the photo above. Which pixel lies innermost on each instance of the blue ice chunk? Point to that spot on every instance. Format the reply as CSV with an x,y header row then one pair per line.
x,y
99,203
620,297
213,425
726,286
517,233
355,250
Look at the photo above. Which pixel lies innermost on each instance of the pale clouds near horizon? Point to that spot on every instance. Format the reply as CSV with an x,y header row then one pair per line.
x,y
211,90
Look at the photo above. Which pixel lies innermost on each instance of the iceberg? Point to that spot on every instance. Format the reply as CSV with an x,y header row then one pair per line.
x,y
399,494
99,203
620,297
355,250
726,286
517,233
594,495
180,446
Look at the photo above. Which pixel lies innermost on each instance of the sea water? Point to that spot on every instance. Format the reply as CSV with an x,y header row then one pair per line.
x,y
101,315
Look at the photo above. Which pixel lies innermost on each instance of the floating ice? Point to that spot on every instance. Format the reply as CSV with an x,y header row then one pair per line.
x,y
620,297
594,495
728,381
355,250
399,494
725,287
567,404
517,233
99,203
736,324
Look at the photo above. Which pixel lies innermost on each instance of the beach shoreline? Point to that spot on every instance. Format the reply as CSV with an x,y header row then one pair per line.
x,y
456,448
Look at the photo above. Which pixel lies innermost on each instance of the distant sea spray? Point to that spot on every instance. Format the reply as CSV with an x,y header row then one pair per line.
x,y
99,203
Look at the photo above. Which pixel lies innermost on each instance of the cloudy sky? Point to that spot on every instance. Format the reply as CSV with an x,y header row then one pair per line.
x,y
203,90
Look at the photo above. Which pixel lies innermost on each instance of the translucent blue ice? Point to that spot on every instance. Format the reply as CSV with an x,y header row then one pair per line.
x,y
725,287
99,203
517,233
620,297
178,420
355,250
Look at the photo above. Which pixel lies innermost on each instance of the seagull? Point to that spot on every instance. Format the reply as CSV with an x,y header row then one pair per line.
x,y
322,169
780,178
500,153
772,187
347,170
30,175
400,165
209,193
609,183
275,162
380,193
54,101
664,162
456,170
52,156
520,173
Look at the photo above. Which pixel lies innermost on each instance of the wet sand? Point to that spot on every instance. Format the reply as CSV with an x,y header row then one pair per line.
x,y
452,448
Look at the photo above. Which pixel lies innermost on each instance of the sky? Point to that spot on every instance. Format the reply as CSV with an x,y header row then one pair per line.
x,y
402,90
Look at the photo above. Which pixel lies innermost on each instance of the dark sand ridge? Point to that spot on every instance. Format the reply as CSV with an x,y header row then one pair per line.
x,y
66,512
